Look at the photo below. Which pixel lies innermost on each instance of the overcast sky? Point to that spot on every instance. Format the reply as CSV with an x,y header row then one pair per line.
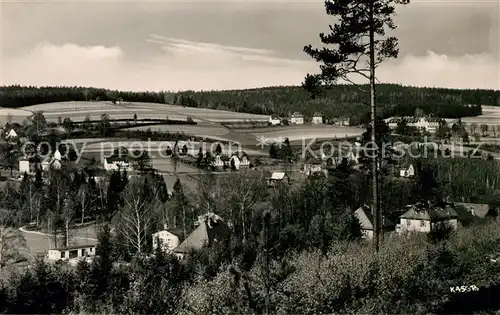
x,y
167,45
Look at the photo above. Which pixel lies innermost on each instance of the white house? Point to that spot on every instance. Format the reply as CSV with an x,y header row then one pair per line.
x,y
422,218
297,119
239,161
317,118
278,177
115,164
274,120
11,135
365,218
24,165
218,163
168,240
407,172
53,162
429,124
71,252
341,121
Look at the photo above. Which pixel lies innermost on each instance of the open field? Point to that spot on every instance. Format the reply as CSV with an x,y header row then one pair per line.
x,y
78,110
490,116
16,115
38,243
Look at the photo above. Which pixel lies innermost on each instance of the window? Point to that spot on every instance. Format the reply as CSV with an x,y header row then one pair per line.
x,y
408,222
422,223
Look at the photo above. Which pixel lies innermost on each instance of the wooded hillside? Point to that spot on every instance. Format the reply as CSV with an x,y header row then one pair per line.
x,y
341,100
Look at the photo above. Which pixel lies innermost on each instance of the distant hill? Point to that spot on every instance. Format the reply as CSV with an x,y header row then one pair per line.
x,y
341,100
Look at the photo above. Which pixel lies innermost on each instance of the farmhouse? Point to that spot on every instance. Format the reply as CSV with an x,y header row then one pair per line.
x,y
423,218
297,119
274,120
71,252
341,121
210,229
167,239
239,160
11,135
218,162
118,161
53,162
365,217
317,118
407,172
314,166
277,178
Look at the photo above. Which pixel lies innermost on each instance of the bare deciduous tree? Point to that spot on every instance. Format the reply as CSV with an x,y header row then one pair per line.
x,y
136,219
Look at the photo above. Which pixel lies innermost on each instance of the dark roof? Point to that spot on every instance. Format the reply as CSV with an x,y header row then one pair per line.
x,y
205,234
432,213
365,217
480,210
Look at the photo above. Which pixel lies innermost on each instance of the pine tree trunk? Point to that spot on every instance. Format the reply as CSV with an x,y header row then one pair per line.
x,y
376,212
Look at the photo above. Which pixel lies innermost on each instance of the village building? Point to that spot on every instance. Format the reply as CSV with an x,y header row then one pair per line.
x,y
340,121
278,178
274,120
11,136
424,218
239,160
24,165
476,209
118,161
71,252
314,166
365,217
427,124
218,162
407,172
167,239
297,119
317,118
210,229
52,162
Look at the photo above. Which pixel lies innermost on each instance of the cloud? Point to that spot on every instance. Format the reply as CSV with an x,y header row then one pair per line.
x,y
193,65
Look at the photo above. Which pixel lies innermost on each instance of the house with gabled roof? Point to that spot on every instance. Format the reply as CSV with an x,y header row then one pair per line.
x,y
167,239
278,178
364,215
317,118
424,218
274,120
297,119
210,230
118,161
239,160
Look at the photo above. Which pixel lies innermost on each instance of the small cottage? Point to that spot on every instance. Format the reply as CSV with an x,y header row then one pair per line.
x,y
365,217
313,166
317,118
278,178
407,172
239,160
274,120
297,119
167,239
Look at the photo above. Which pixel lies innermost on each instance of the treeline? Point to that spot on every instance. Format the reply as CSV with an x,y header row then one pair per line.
x,y
293,249
340,101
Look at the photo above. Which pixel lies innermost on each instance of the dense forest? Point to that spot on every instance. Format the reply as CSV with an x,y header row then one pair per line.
x,y
339,101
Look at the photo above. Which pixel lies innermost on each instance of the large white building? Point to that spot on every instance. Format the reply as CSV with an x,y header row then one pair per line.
x,y
166,239
274,120
429,124
422,218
